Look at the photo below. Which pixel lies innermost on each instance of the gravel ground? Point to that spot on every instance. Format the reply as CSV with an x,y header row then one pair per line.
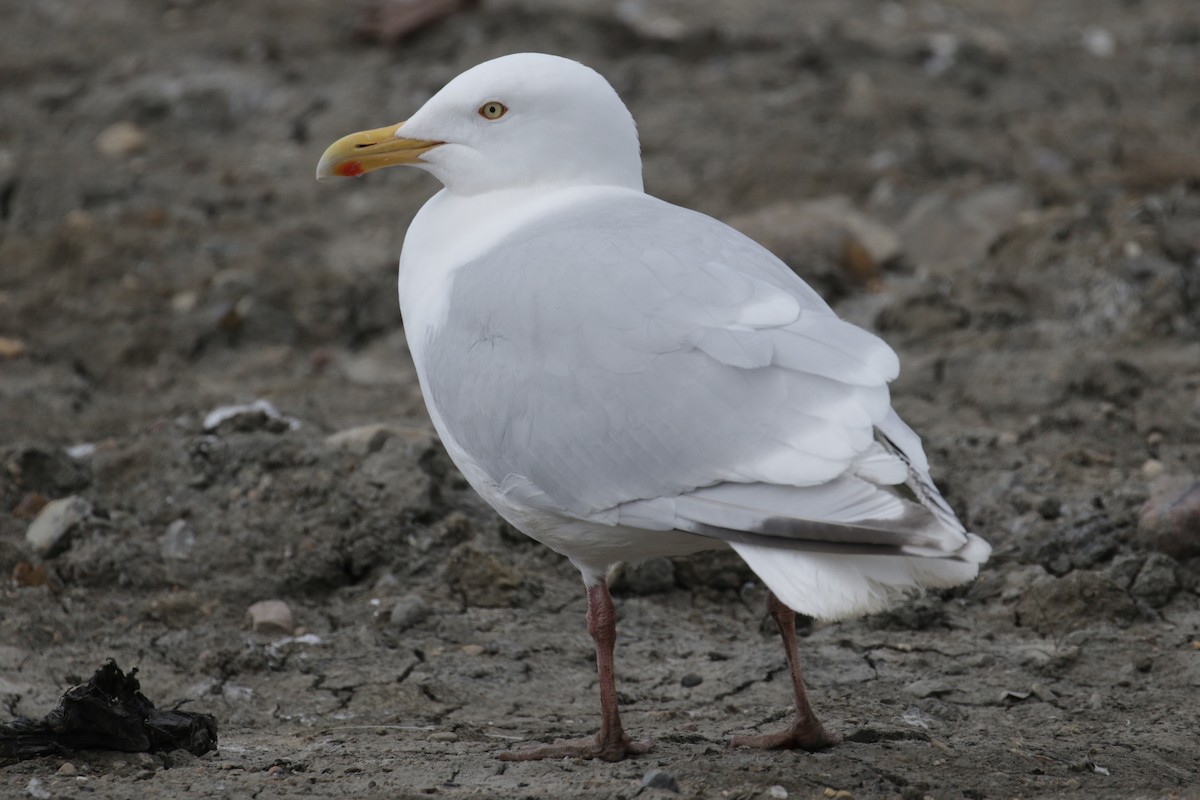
x,y
1008,191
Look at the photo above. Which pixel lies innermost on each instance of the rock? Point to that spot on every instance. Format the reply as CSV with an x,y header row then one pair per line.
x,y
259,415
945,231
52,473
649,22
825,241
777,792
1170,520
483,580
1125,568
408,611
1084,544
67,768
929,687
691,680
1099,42
443,736
652,576
473,649
862,97
660,779
1157,582
37,790
50,532
1055,606
11,348
121,140
362,440
273,617
179,540
26,575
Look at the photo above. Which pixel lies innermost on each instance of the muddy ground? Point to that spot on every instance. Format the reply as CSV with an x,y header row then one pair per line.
x,y
1019,216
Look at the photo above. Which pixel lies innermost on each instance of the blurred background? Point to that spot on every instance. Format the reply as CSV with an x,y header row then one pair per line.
x,y
1007,190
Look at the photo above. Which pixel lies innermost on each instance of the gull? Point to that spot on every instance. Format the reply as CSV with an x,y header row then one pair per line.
x,y
622,378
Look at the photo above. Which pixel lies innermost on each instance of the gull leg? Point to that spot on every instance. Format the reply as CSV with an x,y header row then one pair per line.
x,y
806,731
611,743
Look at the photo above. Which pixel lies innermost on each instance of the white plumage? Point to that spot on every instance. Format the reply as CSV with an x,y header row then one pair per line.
x,y
623,378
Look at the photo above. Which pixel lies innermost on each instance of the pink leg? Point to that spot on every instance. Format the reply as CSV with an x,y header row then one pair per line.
x,y
806,731
611,743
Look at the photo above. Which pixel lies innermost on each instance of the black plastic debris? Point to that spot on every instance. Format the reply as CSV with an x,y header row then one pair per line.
x,y
108,712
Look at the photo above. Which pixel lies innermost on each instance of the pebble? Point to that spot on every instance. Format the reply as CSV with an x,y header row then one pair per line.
x,y
691,680
474,649
1099,41
811,236
36,789
259,415
777,793
660,779
946,232
363,440
443,736
179,540
1170,520
11,348
1055,606
121,140
408,611
1157,581
67,768
50,532
930,687
1152,468
270,617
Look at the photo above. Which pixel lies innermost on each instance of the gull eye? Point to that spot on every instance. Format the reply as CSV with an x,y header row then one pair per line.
x,y
493,109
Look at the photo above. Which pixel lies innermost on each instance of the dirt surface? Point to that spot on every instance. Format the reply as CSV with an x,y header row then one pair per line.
x,y
1019,216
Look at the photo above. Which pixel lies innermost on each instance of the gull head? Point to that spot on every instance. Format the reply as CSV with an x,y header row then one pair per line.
x,y
524,120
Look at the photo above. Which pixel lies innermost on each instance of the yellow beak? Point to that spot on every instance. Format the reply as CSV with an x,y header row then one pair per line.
x,y
362,152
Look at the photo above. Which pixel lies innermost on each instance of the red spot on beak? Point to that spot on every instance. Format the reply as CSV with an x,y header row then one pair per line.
x,y
351,169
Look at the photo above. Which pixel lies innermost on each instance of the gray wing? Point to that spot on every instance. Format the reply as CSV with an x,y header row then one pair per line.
x,y
633,362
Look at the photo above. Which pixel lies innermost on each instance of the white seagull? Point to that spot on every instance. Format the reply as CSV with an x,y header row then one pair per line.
x,y
622,378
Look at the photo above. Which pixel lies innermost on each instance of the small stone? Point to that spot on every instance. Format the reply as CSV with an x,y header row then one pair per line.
x,y
36,789
1056,606
408,611
121,140
929,687
259,415
443,736
1099,41
1143,664
660,779
691,680
1170,519
945,232
67,768
270,617
26,575
1157,582
30,505
179,540
1125,568
11,348
1152,468
777,793
50,532
363,440
474,649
